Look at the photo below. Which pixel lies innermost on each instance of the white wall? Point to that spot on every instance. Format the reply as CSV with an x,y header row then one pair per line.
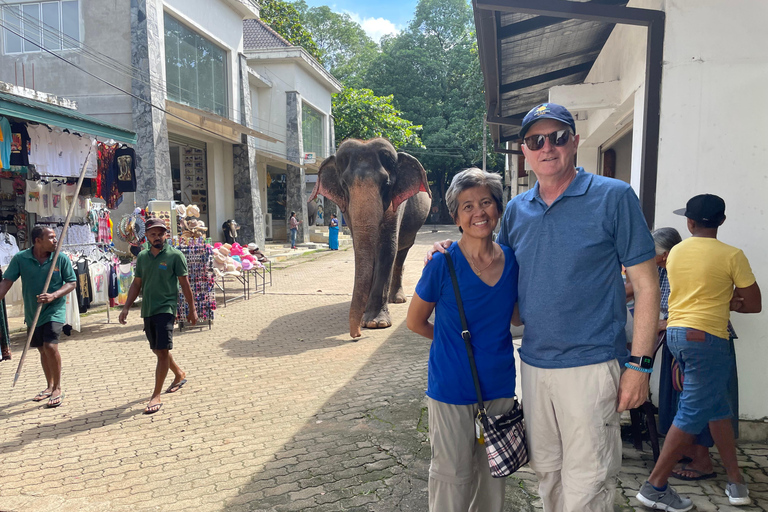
x,y
713,112
713,133
271,116
105,25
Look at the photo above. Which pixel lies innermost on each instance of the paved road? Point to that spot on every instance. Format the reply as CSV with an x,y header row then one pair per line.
x,y
282,412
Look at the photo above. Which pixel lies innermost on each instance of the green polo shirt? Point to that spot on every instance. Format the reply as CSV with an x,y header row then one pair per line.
x,y
24,265
160,280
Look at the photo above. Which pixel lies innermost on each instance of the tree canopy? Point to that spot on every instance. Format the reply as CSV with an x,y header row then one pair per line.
x,y
346,49
362,115
433,72
284,19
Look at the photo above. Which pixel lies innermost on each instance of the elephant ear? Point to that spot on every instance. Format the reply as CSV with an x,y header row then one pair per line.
x,y
329,184
410,180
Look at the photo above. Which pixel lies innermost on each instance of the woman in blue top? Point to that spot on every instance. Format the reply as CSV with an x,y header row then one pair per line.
x,y
459,474
333,233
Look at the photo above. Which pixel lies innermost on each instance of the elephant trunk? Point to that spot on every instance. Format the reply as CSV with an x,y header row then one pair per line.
x,y
364,218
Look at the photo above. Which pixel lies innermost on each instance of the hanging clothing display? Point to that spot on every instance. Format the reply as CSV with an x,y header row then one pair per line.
x,y
125,169
73,311
125,277
8,248
113,286
77,234
5,145
84,288
20,145
199,257
107,176
99,273
32,197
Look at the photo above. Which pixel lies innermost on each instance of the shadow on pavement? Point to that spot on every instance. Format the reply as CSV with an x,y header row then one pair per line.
x,y
70,426
365,449
328,323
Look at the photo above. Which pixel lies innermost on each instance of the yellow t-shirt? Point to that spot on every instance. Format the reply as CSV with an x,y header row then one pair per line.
x,y
702,274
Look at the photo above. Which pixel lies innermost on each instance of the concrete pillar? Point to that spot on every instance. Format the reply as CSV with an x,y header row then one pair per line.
x,y
329,206
248,212
295,180
153,159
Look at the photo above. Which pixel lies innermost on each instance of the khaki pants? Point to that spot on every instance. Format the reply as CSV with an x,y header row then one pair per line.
x,y
459,476
574,439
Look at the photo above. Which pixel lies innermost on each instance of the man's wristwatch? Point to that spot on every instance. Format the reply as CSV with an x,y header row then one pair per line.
x,y
644,362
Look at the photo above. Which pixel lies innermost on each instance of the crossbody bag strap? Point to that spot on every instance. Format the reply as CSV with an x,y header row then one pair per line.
x,y
465,331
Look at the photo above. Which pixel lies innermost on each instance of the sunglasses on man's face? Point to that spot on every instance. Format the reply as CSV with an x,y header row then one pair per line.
x,y
536,142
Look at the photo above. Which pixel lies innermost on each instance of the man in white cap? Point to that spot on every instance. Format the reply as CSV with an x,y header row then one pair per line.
x,y
160,270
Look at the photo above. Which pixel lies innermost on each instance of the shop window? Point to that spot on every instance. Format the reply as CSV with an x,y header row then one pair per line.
x,y
312,130
54,25
195,69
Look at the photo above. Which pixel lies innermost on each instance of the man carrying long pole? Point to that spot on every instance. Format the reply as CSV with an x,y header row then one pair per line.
x,y
33,266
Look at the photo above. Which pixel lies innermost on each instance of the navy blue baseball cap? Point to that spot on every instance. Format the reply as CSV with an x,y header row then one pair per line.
x,y
547,111
704,208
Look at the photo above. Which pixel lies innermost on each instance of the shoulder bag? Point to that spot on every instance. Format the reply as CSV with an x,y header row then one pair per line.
x,y
503,436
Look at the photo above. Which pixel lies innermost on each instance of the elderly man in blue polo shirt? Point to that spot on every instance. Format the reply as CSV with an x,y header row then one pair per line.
x,y
571,234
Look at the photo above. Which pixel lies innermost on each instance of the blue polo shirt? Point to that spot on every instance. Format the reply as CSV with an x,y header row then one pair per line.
x,y
570,253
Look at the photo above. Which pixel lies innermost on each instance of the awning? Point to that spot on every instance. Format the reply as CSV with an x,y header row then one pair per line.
x,y
28,109
212,124
282,160
524,54
528,46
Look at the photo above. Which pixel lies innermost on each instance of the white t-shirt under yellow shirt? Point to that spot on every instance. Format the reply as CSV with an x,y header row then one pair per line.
x,y
702,274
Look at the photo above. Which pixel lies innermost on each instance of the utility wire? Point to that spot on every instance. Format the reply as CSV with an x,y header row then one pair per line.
x,y
105,60
3,25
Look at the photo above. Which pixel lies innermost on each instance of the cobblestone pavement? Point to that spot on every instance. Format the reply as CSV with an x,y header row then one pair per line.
x,y
281,412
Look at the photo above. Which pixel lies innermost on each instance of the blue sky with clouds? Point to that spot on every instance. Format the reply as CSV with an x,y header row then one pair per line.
x,y
377,17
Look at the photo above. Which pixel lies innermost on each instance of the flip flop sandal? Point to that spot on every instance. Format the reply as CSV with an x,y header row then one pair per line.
x,y
56,401
698,475
152,409
175,387
41,396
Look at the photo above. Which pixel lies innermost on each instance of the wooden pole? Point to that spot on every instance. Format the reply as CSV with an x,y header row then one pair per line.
x,y
53,266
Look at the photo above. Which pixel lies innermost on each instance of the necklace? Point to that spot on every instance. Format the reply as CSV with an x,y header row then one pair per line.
x,y
479,271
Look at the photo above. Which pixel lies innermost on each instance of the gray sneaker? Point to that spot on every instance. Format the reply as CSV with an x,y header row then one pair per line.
x,y
667,500
738,494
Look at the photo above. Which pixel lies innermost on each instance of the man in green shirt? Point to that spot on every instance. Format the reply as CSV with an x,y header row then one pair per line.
x,y
160,270
32,265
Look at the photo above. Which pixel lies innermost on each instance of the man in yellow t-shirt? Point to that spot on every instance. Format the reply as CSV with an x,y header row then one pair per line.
x,y
708,279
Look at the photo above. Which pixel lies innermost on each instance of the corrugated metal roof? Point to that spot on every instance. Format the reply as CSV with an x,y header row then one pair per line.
x,y
524,55
32,110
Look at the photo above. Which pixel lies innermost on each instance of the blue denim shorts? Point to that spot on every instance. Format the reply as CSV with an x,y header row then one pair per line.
x,y
707,363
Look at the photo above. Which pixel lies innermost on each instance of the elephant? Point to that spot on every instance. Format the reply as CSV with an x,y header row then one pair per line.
x,y
385,198
311,212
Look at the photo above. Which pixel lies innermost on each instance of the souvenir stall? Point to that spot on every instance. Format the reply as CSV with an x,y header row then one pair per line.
x,y
43,149
199,254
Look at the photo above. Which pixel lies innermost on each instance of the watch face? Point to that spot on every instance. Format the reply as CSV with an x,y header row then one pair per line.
x,y
646,362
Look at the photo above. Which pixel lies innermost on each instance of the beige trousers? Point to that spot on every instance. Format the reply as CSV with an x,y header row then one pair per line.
x,y
459,476
574,439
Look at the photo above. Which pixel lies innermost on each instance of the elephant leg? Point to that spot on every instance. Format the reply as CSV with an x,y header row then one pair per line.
x,y
396,293
376,314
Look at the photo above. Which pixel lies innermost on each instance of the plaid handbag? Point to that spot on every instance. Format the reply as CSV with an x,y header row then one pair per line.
x,y
503,436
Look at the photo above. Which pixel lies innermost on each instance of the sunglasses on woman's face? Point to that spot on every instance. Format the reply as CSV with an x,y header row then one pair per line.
x,y
558,138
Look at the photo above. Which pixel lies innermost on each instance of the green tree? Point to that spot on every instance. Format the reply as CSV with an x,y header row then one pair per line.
x,y
433,72
346,49
359,114
284,19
